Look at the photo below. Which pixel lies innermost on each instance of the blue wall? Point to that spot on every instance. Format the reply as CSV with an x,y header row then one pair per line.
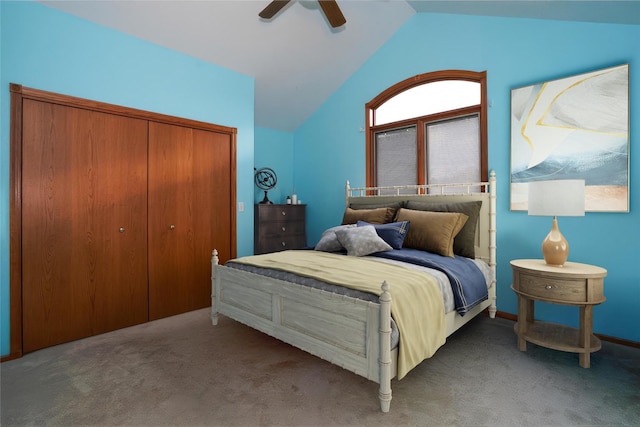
x,y
47,49
274,149
514,52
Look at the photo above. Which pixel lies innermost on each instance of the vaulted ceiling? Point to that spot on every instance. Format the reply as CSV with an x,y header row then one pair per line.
x,y
296,58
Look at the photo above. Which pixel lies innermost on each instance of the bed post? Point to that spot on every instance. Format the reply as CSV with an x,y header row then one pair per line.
x,y
347,191
214,307
492,242
385,348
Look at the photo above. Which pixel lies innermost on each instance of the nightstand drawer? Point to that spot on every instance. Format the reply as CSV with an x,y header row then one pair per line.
x,y
565,290
549,288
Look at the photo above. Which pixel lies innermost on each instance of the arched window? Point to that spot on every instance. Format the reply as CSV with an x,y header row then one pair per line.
x,y
429,129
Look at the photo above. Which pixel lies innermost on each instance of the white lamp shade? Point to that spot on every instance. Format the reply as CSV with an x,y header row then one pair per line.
x,y
562,197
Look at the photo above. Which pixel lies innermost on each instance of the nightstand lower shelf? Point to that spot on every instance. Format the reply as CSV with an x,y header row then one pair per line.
x,y
557,337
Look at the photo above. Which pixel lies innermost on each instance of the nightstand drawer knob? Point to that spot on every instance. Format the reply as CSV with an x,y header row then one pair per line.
x,y
284,228
548,287
284,243
284,213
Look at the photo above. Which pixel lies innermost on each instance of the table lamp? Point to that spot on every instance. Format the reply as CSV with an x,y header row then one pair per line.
x,y
562,197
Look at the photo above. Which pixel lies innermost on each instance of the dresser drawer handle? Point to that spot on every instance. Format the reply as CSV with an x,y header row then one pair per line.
x,y
283,213
284,243
284,228
548,287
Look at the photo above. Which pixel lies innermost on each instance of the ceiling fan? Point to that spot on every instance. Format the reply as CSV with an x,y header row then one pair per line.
x,y
329,7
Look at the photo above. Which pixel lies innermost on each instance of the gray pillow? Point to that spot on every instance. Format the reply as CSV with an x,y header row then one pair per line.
x,y
464,243
361,241
329,241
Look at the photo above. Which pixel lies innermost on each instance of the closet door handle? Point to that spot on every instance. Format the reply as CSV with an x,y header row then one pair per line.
x,y
121,229
172,227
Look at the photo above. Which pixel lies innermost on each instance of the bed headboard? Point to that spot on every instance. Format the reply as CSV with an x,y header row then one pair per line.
x,y
485,245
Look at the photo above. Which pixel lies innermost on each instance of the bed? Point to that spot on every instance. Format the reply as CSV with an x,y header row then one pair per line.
x,y
339,325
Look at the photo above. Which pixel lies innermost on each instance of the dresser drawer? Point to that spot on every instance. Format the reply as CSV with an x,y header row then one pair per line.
x,y
282,228
268,213
283,243
566,290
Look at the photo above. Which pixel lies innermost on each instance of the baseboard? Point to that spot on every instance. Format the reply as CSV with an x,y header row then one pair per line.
x,y
10,356
615,340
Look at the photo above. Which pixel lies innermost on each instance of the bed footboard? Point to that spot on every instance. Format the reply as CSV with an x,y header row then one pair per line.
x,y
345,331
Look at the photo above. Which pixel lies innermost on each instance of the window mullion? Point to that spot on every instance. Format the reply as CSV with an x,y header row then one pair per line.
x,y
422,153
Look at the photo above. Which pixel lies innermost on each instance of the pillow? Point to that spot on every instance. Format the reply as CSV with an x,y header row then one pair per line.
x,y
390,215
432,231
392,233
329,241
361,241
464,243
373,216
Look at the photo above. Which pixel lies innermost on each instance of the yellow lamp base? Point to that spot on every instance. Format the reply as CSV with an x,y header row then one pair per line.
x,y
555,248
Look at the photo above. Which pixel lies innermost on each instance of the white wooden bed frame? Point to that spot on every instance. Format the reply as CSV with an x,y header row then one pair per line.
x,y
346,331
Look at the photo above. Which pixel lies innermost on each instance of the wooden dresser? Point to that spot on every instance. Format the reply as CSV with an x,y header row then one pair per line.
x,y
279,227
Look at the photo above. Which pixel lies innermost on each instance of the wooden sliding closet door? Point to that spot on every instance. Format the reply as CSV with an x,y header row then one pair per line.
x,y
84,223
190,206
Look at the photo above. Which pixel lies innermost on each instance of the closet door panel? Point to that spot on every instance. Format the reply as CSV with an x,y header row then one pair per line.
x,y
222,201
83,179
189,199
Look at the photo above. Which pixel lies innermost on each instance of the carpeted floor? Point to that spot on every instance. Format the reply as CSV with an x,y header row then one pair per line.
x,y
181,371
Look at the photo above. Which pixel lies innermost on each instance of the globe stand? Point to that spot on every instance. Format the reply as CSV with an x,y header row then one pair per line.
x,y
266,200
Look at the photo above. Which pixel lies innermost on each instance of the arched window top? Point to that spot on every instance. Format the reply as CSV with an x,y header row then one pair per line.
x,y
427,94
428,98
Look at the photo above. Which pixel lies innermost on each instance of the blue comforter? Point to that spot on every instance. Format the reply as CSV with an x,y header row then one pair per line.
x,y
467,281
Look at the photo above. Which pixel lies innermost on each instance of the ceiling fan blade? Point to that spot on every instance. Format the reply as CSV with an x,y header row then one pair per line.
x,y
332,12
272,8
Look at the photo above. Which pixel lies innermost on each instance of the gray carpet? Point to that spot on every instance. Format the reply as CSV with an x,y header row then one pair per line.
x,y
182,371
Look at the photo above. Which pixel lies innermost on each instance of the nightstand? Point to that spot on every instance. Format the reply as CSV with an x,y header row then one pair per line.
x,y
573,284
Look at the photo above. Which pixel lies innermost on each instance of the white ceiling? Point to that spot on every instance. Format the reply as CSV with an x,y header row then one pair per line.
x,y
296,58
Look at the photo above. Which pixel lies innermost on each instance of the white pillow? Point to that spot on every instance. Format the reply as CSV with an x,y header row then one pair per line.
x,y
361,241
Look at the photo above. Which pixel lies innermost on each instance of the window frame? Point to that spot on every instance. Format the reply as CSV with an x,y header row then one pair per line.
x,y
420,122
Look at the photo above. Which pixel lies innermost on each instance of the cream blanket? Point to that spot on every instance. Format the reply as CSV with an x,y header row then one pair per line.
x,y
417,305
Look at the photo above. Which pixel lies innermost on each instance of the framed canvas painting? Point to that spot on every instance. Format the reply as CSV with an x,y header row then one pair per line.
x,y
573,128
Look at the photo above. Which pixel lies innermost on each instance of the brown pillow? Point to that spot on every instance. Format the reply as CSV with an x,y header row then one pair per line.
x,y
394,205
465,242
372,216
432,231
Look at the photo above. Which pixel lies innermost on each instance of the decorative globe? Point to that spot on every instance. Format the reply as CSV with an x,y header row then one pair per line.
x,y
265,179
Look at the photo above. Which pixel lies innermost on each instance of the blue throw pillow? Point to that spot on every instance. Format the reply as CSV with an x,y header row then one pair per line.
x,y
393,233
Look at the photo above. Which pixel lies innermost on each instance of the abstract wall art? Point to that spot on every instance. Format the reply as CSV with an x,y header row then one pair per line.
x,y
573,128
